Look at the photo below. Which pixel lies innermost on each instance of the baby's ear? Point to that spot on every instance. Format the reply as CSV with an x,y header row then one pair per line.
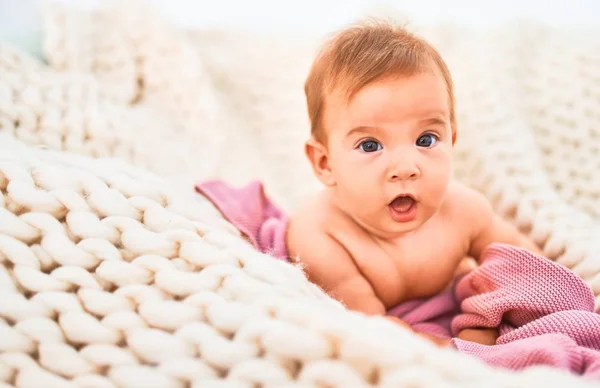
x,y
454,130
316,153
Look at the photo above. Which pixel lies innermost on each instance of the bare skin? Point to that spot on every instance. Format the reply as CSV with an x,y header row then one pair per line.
x,y
372,275
394,139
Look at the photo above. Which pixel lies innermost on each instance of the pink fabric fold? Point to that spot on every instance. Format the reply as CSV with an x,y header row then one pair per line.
x,y
251,211
544,312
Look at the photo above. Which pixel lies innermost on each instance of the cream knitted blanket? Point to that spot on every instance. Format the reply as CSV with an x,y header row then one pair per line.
x,y
112,276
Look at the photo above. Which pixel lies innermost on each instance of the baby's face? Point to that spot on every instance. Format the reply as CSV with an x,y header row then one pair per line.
x,y
390,152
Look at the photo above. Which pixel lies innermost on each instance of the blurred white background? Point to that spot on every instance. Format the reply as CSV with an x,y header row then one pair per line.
x,y
20,19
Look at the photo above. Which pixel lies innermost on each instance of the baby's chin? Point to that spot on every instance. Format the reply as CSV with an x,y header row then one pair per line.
x,y
395,229
385,225
394,225
386,228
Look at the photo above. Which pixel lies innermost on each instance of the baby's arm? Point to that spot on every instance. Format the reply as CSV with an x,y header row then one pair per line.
x,y
488,227
328,264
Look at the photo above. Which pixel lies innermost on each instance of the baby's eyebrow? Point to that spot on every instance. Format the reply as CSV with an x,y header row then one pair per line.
x,y
433,121
362,129
368,129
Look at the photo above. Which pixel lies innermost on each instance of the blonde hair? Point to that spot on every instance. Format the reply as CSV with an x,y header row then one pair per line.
x,y
365,53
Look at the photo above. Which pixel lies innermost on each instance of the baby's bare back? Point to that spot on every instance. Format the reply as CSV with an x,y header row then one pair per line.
x,y
419,264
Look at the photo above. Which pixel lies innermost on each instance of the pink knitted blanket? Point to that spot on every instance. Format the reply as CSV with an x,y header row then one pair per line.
x,y
543,311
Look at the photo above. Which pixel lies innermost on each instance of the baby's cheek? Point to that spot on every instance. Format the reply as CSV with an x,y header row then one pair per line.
x,y
437,186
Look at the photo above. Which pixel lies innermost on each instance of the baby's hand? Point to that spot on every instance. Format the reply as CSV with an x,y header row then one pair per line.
x,y
466,265
442,342
481,336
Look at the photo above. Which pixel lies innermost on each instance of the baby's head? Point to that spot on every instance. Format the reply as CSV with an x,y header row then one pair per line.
x,y
381,106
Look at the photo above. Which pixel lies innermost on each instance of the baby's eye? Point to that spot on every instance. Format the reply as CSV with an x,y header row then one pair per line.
x,y
370,146
427,140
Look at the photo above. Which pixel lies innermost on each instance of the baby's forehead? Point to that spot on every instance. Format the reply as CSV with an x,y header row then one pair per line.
x,y
345,89
390,105
418,92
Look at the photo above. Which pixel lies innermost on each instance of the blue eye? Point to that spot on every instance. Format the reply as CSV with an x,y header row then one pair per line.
x,y
427,141
370,146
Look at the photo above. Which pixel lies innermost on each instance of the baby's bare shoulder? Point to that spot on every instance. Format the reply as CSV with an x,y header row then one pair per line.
x,y
308,225
312,214
484,225
465,199
309,241
467,208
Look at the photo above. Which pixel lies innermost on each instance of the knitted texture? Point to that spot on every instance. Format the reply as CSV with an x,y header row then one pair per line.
x,y
514,290
111,276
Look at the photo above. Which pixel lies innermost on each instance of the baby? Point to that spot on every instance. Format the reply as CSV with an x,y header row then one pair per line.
x,y
389,225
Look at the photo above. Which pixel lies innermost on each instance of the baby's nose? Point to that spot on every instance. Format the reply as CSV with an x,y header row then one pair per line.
x,y
404,176
404,171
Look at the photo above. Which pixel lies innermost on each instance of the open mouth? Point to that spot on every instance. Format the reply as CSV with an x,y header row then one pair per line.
x,y
403,208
